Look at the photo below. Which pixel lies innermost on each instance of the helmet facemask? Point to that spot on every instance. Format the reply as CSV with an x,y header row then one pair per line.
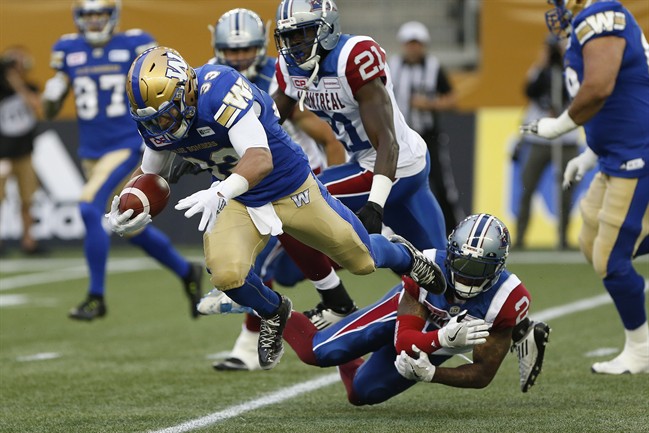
x,y
300,46
559,19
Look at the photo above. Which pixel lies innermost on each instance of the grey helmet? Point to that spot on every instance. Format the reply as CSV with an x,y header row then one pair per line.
x,y
318,24
476,253
240,28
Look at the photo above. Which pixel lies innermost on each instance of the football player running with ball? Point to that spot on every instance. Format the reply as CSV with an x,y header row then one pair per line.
x,y
263,185
93,63
411,332
606,68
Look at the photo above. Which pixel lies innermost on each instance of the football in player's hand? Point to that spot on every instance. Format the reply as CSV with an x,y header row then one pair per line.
x,y
146,192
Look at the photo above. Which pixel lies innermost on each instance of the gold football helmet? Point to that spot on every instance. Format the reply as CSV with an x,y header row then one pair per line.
x,y
96,19
162,92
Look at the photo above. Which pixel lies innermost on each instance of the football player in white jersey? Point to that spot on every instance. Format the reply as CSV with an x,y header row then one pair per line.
x,y
93,64
345,81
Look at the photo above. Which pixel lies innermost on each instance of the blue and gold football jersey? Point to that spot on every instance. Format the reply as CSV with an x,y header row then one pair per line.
x,y
98,79
619,132
224,97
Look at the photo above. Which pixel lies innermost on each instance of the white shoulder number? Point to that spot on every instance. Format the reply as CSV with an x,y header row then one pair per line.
x,y
371,63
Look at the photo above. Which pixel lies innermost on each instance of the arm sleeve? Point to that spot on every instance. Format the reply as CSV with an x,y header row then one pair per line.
x,y
409,331
155,161
247,132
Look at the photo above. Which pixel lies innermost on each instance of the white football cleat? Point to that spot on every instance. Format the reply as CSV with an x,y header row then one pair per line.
x,y
217,302
529,344
626,362
244,355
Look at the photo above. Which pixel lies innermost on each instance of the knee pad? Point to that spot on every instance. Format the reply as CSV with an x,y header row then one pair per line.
x,y
226,276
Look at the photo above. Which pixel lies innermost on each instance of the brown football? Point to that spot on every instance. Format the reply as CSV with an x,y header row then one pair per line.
x,y
146,192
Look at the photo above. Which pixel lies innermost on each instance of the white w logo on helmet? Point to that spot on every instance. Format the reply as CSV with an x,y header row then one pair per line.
x,y
176,67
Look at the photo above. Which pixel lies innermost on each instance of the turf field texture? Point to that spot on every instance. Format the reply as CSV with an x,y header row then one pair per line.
x,y
146,366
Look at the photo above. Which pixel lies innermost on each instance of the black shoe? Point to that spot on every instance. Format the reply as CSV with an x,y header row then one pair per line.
x,y
89,309
271,347
424,271
322,316
192,285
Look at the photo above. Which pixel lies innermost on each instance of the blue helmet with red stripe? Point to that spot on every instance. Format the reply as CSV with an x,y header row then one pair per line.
x,y
476,253
162,92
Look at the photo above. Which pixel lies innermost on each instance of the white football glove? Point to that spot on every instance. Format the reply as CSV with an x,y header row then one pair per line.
x,y
550,127
208,201
578,166
419,368
457,333
121,223
55,88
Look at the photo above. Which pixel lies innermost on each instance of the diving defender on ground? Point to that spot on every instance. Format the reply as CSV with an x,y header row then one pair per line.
x,y
411,332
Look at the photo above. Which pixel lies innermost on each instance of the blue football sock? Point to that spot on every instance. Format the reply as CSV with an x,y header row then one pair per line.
x,y
157,245
256,295
390,255
95,246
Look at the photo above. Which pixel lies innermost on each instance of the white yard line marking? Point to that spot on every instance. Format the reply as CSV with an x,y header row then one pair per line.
x,y
39,356
275,397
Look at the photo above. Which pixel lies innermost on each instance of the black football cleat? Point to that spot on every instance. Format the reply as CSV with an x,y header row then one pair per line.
x,y
192,284
271,347
423,271
90,309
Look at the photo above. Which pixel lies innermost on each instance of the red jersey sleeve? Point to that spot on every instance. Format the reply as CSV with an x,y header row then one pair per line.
x,y
365,63
514,309
410,286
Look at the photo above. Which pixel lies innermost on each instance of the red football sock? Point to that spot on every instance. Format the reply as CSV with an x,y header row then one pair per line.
x,y
299,334
314,265
347,373
252,322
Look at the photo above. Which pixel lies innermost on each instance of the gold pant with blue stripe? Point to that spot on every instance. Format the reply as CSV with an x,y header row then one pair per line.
x,y
320,221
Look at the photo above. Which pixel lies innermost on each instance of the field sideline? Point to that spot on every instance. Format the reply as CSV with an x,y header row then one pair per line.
x,y
146,366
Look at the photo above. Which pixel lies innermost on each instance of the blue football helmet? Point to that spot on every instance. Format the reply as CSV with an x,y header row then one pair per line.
x,y
476,253
162,93
240,29
559,19
96,19
304,28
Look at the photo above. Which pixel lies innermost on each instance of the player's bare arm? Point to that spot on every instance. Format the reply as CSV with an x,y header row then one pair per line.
x,y
255,165
602,60
376,112
410,306
284,104
322,133
486,361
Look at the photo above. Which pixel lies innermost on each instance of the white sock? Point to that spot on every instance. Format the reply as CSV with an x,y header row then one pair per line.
x,y
329,282
637,341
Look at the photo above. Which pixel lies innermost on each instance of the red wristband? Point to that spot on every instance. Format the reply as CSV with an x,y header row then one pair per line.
x,y
409,332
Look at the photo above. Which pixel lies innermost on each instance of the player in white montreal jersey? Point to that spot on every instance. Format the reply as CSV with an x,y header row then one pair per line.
x,y
345,81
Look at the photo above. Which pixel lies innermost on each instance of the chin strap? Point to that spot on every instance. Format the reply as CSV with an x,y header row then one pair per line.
x,y
310,81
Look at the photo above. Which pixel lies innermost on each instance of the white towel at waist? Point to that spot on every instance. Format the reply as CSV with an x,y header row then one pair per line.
x,y
265,219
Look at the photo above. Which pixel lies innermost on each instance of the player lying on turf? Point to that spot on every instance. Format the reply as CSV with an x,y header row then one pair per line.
x,y
411,332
